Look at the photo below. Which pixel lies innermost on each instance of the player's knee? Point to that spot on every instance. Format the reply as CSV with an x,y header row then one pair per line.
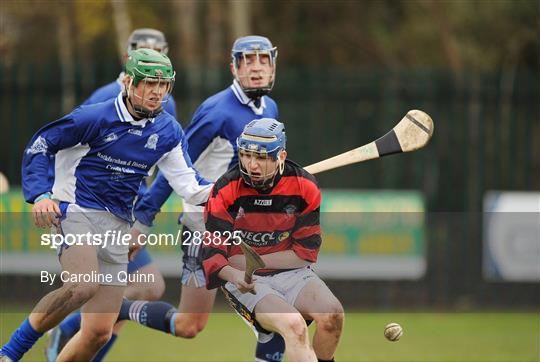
x,y
80,293
189,327
296,328
188,333
155,290
332,322
97,336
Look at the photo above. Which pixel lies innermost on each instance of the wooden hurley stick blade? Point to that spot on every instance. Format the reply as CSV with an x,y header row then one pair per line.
x,y
253,262
413,132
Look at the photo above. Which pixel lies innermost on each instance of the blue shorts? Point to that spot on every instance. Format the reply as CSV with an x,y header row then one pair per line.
x,y
142,259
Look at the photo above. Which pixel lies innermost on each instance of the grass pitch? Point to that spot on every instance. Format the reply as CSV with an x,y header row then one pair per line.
x,y
441,337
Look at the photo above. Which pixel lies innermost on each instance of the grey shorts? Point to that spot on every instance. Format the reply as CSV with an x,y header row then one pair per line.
x,y
89,226
286,285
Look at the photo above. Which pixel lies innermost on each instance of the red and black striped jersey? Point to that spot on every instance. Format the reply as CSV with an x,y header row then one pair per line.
x,y
286,217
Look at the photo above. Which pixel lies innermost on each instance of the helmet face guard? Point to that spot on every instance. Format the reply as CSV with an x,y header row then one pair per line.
x,y
154,70
149,83
267,169
254,46
260,148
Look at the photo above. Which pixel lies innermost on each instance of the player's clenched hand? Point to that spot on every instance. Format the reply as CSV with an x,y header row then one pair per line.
x,y
46,213
243,286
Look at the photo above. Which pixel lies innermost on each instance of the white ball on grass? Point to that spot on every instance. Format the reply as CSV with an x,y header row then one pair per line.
x,y
393,332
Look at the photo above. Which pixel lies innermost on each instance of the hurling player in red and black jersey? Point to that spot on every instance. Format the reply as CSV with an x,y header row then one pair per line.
x,y
273,205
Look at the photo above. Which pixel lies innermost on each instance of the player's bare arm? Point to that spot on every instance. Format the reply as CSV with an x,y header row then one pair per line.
x,y
236,277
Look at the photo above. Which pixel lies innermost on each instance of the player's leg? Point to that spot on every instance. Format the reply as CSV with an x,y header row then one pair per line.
x,y
196,301
100,313
152,291
315,301
55,306
195,305
98,318
275,314
193,310
187,321
143,265
267,311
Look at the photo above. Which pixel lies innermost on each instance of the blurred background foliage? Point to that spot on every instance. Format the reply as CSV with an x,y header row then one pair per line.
x,y
460,35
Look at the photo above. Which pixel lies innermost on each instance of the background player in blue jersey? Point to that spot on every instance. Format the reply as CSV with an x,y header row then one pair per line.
x,y
142,262
103,152
211,135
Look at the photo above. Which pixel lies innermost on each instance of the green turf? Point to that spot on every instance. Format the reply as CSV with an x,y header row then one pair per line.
x,y
427,337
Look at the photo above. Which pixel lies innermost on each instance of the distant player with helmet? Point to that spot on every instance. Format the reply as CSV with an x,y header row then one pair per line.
x,y
142,262
211,136
274,206
103,152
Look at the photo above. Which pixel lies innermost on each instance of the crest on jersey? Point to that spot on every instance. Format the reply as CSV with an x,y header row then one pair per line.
x,y
284,235
152,141
241,213
39,146
290,209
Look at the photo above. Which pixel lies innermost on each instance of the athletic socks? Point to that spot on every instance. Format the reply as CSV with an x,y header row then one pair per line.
x,y
21,341
271,350
156,315
71,324
105,349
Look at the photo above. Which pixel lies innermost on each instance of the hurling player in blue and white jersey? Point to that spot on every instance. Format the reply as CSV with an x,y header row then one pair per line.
x,y
142,262
139,38
211,136
103,152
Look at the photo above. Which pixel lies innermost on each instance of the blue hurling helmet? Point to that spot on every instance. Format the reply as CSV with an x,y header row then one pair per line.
x,y
262,137
258,45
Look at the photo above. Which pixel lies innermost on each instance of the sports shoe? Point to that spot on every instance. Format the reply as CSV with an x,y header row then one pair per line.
x,y
57,341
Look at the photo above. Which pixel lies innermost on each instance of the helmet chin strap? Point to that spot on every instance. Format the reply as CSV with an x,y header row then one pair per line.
x,y
254,93
141,111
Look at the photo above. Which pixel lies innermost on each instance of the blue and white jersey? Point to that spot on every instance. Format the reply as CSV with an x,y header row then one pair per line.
x,y
211,137
102,155
112,89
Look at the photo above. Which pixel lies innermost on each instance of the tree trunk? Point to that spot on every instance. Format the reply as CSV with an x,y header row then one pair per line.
x,y
122,24
66,56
